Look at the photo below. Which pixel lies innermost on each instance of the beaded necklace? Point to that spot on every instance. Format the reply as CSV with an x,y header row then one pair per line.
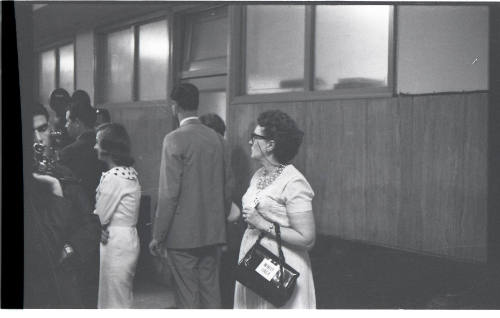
x,y
266,178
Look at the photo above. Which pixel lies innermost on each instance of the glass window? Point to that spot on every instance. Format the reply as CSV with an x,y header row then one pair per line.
x,y
67,67
206,40
270,29
47,81
352,47
153,60
212,94
118,66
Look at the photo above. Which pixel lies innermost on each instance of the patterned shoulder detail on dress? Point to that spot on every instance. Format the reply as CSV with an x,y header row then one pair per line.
x,y
128,173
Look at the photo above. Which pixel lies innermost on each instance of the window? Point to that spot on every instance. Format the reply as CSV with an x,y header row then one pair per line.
x,y
56,69
204,57
119,65
315,50
135,62
268,69
205,43
351,47
153,60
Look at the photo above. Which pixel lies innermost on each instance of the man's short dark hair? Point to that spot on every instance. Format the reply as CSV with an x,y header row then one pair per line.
x,y
39,109
214,121
281,128
59,101
81,109
186,95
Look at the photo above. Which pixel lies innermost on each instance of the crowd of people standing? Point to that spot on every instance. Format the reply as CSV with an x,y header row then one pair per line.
x,y
84,197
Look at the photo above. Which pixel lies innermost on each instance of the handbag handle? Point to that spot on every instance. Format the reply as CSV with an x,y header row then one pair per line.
x,y
280,250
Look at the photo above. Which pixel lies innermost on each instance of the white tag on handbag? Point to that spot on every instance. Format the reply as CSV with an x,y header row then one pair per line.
x,y
267,269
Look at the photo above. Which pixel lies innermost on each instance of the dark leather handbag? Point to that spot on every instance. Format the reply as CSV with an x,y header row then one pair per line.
x,y
267,274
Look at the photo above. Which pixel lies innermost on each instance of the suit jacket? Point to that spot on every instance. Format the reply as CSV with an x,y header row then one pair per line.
x,y
194,192
81,158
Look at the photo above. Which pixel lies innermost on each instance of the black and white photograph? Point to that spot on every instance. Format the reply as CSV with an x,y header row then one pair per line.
x,y
250,155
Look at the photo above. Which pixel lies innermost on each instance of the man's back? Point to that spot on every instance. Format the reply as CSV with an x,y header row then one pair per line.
x,y
191,196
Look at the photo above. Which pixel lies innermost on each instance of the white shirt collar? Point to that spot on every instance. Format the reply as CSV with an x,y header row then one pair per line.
x,y
187,118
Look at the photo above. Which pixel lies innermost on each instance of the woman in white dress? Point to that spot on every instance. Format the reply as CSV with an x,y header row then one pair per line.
x,y
279,193
117,205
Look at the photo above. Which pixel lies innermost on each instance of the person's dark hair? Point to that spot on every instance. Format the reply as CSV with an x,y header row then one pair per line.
x,y
59,101
186,95
103,116
214,121
115,142
39,109
80,108
281,128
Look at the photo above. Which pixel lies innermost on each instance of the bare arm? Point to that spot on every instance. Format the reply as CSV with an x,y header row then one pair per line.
x,y
301,233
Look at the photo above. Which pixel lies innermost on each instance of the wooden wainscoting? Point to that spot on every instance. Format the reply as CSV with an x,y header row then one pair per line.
x,y
408,172
147,125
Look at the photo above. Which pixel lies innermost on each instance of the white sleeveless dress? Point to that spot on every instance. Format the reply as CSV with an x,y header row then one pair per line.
x,y
289,193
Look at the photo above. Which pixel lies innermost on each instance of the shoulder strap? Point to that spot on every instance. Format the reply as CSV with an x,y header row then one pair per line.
x,y
280,251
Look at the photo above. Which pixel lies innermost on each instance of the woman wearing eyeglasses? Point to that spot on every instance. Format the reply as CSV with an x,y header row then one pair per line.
x,y
279,193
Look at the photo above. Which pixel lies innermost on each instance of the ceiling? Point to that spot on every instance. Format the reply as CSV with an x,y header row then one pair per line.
x,y
59,20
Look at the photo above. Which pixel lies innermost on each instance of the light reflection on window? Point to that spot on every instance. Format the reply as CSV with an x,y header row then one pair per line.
x,y
153,60
269,67
352,46
119,66
47,82
66,67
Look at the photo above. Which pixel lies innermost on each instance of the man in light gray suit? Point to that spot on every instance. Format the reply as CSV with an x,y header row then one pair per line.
x,y
194,198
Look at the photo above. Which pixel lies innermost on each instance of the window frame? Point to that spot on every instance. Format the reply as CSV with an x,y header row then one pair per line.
x,y
54,46
187,28
237,71
100,52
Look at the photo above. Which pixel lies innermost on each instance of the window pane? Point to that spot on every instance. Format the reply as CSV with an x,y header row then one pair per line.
x,y
118,66
352,47
47,75
271,31
67,67
153,60
212,94
207,45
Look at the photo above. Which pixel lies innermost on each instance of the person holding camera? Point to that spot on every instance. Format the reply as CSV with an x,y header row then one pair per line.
x,y
50,177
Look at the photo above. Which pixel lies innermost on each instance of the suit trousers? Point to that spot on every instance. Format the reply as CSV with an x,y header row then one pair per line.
x,y
196,276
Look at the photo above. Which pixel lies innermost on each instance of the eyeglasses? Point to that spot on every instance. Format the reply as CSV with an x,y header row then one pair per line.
x,y
254,136
42,128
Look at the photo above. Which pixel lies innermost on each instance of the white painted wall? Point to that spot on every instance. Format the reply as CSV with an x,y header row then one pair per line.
x,y
442,48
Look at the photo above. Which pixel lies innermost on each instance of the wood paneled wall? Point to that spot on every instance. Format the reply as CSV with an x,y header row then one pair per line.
x,y
146,124
408,172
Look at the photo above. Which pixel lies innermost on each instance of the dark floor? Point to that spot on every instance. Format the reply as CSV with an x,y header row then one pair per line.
x,y
351,275
149,294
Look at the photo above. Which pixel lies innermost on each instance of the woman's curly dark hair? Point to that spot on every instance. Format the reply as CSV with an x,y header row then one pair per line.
x,y
281,128
116,143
